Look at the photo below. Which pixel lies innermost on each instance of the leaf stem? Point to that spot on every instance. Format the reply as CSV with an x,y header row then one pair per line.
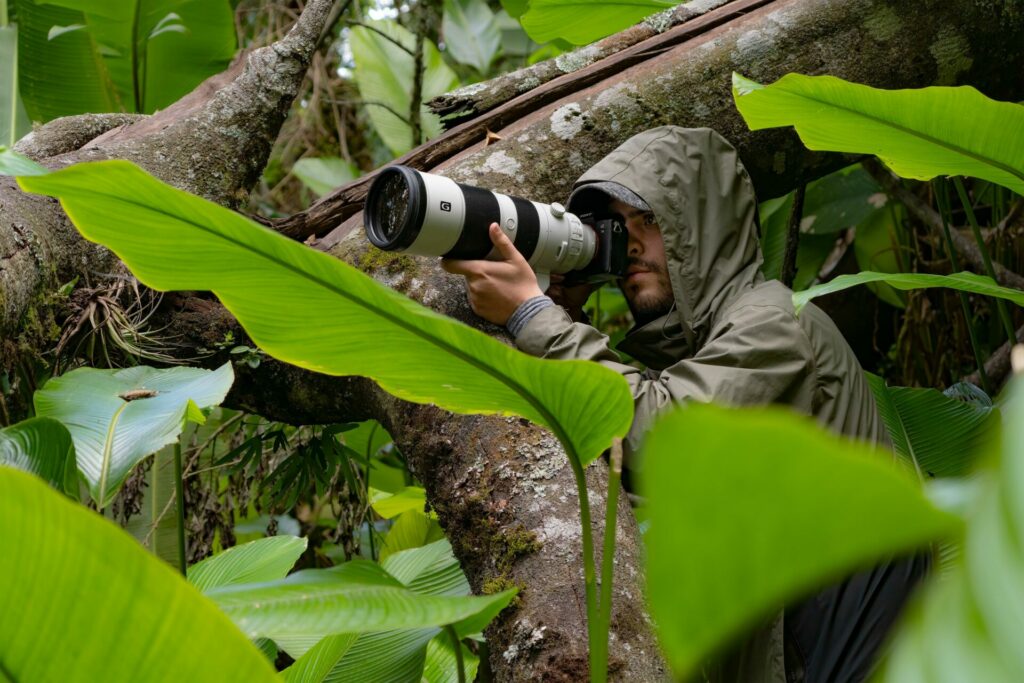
x,y
366,492
136,86
942,199
1004,312
608,549
598,649
179,492
4,19
460,666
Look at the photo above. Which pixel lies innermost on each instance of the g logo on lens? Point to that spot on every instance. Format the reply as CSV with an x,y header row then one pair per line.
x,y
446,206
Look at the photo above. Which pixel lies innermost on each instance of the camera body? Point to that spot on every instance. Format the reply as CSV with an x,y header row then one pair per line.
x,y
430,215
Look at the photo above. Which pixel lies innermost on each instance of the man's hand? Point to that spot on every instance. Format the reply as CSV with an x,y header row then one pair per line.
x,y
497,288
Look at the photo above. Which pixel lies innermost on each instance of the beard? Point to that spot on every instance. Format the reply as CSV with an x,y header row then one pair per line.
x,y
653,302
647,309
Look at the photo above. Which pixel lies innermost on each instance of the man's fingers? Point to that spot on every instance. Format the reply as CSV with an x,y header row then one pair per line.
x,y
460,266
503,244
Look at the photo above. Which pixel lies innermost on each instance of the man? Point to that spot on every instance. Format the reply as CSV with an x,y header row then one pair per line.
x,y
709,327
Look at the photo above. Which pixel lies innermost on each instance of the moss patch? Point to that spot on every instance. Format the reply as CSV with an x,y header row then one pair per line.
x,y
503,583
391,262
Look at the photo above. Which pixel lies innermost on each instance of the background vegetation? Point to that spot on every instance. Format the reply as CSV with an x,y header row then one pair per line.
x,y
313,544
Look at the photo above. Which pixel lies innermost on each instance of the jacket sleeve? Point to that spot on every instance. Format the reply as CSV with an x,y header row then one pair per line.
x,y
758,354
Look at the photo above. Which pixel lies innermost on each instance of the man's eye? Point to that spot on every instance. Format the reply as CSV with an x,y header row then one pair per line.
x,y
649,219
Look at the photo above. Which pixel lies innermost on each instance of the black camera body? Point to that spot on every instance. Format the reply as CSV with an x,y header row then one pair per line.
x,y
611,258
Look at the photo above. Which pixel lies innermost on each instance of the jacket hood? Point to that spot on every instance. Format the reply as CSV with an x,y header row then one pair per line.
x,y
704,203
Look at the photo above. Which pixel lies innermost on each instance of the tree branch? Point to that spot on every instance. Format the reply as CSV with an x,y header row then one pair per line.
x,y
473,100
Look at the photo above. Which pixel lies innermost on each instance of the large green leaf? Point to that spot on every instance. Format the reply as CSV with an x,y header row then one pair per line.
x,y
356,597
118,417
390,656
584,21
265,559
384,75
64,76
764,507
154,51
14,121
938,434
156,524
471,33
12,163
840,200
317,662
965,282
967,626
877,247
919,134
323,174
275,287
411,529
441,666
41,446
81,601
389,505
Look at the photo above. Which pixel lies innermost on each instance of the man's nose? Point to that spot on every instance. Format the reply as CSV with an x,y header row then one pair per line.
x,y
634,244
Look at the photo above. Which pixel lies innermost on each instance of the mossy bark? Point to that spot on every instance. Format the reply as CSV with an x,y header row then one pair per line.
x,y
502,487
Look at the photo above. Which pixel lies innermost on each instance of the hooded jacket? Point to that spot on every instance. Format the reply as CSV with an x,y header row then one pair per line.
x,y
732,337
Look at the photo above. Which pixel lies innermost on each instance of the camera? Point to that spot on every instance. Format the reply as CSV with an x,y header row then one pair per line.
x,y
430,215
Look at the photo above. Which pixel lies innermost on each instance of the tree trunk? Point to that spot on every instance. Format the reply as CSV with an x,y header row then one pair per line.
x,y
502,488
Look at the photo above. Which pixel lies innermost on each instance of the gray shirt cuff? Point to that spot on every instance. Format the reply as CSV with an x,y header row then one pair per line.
x,y
525,313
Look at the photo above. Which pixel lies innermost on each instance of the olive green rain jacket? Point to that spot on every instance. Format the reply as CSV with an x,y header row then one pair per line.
x,y
733,337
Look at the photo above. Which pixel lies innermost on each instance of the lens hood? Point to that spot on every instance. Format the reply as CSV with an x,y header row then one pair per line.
x,y
395,207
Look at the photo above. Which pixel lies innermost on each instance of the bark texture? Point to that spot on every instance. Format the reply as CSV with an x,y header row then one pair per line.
x,y
503,489
470,101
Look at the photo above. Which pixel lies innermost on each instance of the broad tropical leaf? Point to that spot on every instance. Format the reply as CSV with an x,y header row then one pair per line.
x,y
515,8
156,524
44,65
316,664
355,597
584,21
967,626
441,666
765,507
965,282
118,417
877,246
12,163
41,446
147,53
471,33
323,174
843,199
384,75
410,529
938,434
265,559
382,657
389,505
919,134
275,286
390,656
105,608
14,121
